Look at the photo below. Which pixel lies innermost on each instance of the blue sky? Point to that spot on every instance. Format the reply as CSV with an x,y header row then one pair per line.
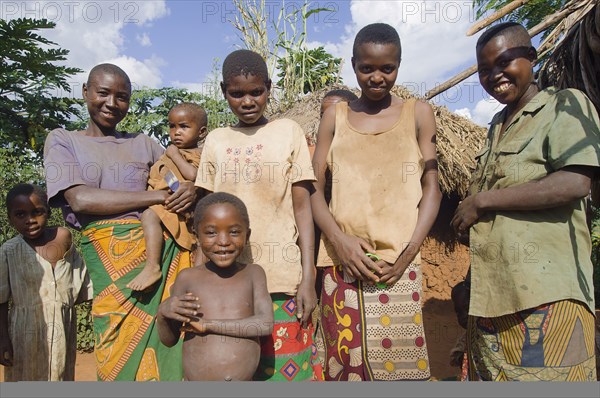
x,y
174,43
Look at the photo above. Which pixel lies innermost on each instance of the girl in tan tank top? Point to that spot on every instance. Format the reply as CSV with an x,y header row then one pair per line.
x,y
385,198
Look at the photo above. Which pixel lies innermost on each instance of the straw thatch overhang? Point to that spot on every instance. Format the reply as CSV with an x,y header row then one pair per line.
x,y
575,61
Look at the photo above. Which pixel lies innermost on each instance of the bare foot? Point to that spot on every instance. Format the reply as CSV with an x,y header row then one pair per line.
x,y
148,277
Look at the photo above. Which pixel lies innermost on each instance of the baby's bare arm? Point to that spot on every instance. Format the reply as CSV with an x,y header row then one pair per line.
x,y
259,324
187,170
55,249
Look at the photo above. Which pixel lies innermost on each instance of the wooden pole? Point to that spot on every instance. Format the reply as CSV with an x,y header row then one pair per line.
x,y
546,22
495,16
451,83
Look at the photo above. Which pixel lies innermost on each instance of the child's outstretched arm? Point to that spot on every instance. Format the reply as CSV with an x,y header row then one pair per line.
x,y
187,170
259,324
306,297
430,201
350,249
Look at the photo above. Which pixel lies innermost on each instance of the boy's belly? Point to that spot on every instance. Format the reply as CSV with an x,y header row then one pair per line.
x,y
219,358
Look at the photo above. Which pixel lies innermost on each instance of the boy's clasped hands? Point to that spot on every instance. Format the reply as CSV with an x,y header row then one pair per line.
x,y
184,309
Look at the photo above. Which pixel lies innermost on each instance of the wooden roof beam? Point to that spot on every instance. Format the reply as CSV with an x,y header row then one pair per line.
x,y
484,23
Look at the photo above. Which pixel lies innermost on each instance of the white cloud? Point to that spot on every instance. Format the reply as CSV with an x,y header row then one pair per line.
x,y
92,31
143,39
469,99
144,73
464,112
484,111
143,12
206,88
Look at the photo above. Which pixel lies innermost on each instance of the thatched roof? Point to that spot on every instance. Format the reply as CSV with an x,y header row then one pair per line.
x,y
575,61
458,139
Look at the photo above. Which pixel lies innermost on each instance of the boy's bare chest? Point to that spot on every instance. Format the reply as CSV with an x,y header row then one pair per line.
x,y
225,298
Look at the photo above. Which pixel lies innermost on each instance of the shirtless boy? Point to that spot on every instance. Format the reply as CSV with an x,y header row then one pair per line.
x,y
222,306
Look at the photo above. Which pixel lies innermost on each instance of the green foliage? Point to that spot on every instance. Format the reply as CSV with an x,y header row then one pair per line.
x,y
85,327
30,84
253,29
320,69
529,14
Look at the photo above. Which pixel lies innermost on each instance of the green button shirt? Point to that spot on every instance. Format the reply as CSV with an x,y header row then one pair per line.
x,y
523,259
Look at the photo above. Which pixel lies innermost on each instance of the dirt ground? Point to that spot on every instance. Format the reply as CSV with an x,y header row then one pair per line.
x,y
85,367
442,269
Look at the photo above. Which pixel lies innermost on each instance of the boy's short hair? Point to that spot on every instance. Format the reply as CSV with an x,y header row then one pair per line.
x,y
195,110
245,62
109,69
220,198
378,33
345,94
516,33
26,190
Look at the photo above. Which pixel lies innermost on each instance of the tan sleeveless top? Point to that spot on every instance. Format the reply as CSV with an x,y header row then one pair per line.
x,y
376,184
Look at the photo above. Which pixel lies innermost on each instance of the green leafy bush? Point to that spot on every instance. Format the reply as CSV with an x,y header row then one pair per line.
x,y
85,330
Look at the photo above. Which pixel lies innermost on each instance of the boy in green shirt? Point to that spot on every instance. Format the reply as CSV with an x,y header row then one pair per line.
x,y
532,302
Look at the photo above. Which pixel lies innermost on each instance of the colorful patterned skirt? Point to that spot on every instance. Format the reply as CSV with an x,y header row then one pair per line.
x,y
127,345
289,354
372,333
553,342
